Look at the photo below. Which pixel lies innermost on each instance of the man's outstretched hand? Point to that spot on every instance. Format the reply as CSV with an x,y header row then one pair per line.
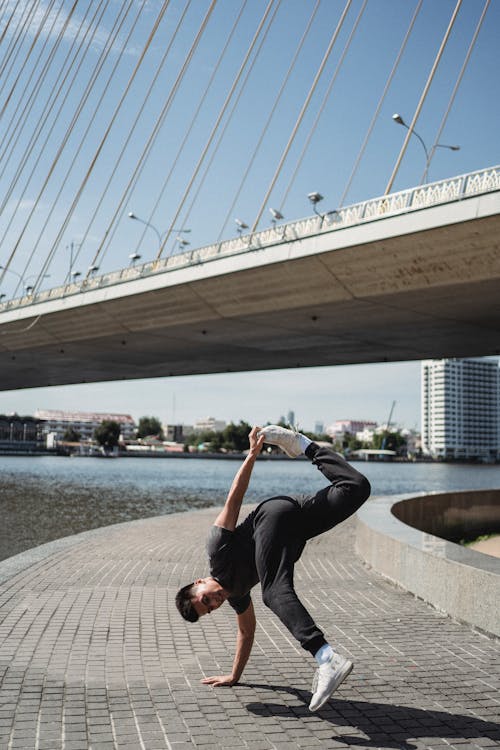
x,y
255,441
220,680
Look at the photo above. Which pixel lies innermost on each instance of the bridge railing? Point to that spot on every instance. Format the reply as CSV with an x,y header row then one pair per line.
x,y
404,201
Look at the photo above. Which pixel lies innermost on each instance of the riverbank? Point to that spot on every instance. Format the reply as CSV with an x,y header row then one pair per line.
x,y
232,456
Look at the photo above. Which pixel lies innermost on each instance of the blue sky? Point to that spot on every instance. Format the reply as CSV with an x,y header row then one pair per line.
x,y
51,199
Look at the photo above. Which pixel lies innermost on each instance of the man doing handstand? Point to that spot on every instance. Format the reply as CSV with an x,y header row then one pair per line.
x,y
265,548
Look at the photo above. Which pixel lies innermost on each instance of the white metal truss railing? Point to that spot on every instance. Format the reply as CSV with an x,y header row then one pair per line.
x,y
423,196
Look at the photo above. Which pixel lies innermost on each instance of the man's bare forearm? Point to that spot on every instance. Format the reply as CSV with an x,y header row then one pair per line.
x,y
228,517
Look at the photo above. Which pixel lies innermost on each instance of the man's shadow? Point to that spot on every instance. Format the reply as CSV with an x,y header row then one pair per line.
x,y
385,725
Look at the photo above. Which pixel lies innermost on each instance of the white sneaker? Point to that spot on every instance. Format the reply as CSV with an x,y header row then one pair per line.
x,y
327,679
287,440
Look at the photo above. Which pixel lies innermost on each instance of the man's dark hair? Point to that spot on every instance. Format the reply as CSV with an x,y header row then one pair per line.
x,y
184,603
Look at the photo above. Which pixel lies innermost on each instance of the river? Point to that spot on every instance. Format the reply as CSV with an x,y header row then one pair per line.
x,y
48,497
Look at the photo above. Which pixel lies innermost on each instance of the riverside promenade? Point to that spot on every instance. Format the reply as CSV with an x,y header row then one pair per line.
x,y
93,655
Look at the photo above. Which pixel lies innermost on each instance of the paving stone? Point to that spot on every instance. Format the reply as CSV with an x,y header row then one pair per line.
x,y
91,644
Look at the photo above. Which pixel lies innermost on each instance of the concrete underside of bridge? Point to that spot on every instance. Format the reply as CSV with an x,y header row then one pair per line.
x,y
407,287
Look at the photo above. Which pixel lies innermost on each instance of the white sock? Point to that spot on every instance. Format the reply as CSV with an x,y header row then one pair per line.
x,y
323,654
304,441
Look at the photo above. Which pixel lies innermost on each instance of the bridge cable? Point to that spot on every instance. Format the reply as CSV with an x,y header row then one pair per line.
x,y
217,123
42,122
62,145
49,106
194,119
131,130
456,87
153,135
422,98
120,156
6,198
70,211
23,117
7,25
22,68
54,162
236,101
200,161
379,105
323,104
16,36
266,125
301,114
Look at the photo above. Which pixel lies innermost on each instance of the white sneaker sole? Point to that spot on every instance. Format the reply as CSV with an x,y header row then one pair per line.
x,y
344,674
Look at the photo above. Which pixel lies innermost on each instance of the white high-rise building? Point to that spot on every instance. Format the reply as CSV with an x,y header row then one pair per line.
x,y
461,408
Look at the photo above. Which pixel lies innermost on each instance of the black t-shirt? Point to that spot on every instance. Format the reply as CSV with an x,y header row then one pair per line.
x,y
231,556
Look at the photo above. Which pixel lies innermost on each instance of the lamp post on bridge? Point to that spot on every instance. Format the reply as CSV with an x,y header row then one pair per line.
x,y
182,242
428,154
27,288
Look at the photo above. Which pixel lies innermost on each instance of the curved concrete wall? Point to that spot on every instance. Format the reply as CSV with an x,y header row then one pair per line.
x,y
402,537
453,515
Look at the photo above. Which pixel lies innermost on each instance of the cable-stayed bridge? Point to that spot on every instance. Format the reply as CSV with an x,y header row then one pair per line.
x,y
411,275
187,115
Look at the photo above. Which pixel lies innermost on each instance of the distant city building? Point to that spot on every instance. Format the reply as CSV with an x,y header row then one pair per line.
x,y
209,423
57,422
319,428
290,418
351,426
366,435
461,408
20,432
177,433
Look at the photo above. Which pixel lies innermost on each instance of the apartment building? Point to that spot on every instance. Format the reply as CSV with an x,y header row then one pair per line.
x,y
461,409
57,422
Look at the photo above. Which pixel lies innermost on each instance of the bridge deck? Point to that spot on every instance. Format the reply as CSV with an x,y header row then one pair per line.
x,y
407,286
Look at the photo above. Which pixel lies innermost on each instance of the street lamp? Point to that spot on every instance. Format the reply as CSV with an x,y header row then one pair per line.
x,y
71,248
133,216
134,257
240,226
181,242
277,216
315,198
428,155
28,288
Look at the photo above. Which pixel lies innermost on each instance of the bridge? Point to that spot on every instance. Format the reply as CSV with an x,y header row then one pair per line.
x,y
410,275
189,113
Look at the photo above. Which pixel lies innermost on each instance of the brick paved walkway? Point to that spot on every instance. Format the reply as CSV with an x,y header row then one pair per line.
x,y
94,656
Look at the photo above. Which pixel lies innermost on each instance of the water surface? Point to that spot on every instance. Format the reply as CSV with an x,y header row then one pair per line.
x,y
48,497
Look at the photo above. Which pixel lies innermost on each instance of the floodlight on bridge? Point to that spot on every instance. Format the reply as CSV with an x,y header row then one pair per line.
x,y
277,215
93,269
134,257
428,154
315,198
240,225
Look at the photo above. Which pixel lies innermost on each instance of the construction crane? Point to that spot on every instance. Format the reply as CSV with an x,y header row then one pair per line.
x,y
384,441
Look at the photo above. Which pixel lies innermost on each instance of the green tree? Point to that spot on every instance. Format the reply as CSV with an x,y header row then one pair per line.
x,y
235,436
149,426
71,435
107,434
391,441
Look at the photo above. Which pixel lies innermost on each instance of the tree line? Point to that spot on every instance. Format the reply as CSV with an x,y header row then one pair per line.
x,y
233,438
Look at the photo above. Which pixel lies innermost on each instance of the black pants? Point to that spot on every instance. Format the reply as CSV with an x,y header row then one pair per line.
x,y
282,526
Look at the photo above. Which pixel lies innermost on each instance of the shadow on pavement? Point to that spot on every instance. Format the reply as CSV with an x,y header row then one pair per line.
x,y
383,724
